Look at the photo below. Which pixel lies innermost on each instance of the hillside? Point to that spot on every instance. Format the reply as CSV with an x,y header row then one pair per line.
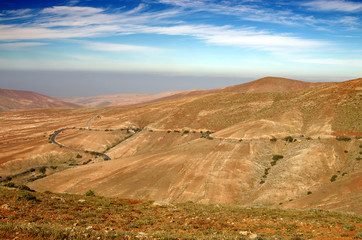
x,y
266,84
17,99
124,99
171,159
33,215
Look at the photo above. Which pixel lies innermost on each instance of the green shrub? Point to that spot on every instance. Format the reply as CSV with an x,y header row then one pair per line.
x,y
79,156
289,139
358,236
25,188
273,139
333,178
309,193
9,184
26,196
32,179
343,138
276,158
42,170
90,193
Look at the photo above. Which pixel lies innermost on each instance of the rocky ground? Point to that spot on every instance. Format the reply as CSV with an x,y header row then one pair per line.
x,y
31,215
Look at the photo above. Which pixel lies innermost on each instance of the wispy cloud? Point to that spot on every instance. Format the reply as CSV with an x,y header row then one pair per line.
x,y
334,5
17,45
246,38
65,22
257,12
112,47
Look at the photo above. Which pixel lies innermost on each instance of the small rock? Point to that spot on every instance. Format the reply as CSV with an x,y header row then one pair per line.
x,y
6,207
81,200
89,227
244,233
58,198
75,224
253,236
162,204
141,235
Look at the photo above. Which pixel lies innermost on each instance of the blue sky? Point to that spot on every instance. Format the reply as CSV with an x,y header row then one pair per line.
x,y
187,41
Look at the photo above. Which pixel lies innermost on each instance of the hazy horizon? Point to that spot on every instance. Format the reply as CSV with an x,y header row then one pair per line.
x,y
83,84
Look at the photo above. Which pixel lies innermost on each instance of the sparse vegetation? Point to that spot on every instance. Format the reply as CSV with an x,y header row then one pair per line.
x,y
309,193
343,138
333,178
32,179
288,139
79,156
64,216
9,184
276,158
25,188
273,139
42,169
90,193
26,196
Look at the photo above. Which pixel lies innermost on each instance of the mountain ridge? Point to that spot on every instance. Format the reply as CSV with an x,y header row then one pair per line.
x,y
19,99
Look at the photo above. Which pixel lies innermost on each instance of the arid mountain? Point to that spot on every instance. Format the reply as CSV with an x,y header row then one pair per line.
x,y
267,84
16,99
171,159
124,99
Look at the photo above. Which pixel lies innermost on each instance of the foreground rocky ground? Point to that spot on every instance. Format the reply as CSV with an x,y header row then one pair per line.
x,y
33,215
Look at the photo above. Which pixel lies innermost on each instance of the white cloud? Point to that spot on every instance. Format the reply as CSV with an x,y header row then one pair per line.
x,y
66,10
17,45
112,47
19,11
333,5
246,38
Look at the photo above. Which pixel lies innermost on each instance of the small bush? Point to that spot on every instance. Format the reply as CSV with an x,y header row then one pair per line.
x,y
32,179
90,193
42,170
345,151
333,178
358,236
10,184
26,196
79,156
276,158
25,188
289,139
273,139
309,193
343,138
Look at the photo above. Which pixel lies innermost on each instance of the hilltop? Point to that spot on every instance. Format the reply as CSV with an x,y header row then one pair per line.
x,y
209,148
17,99
266,84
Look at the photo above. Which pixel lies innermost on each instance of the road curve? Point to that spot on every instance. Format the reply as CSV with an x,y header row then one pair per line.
x,y
106,157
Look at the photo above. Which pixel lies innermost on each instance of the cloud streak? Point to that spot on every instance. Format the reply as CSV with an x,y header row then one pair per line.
x,y
64,22
333,5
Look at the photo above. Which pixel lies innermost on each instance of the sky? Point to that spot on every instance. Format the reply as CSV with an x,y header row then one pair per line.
x,y
86,47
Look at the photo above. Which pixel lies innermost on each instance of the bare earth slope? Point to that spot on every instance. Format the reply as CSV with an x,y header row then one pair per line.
x,y
168,160
16,99
266,84
123,99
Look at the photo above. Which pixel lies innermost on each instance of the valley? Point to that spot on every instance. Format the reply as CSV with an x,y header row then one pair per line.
x,y
286,149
